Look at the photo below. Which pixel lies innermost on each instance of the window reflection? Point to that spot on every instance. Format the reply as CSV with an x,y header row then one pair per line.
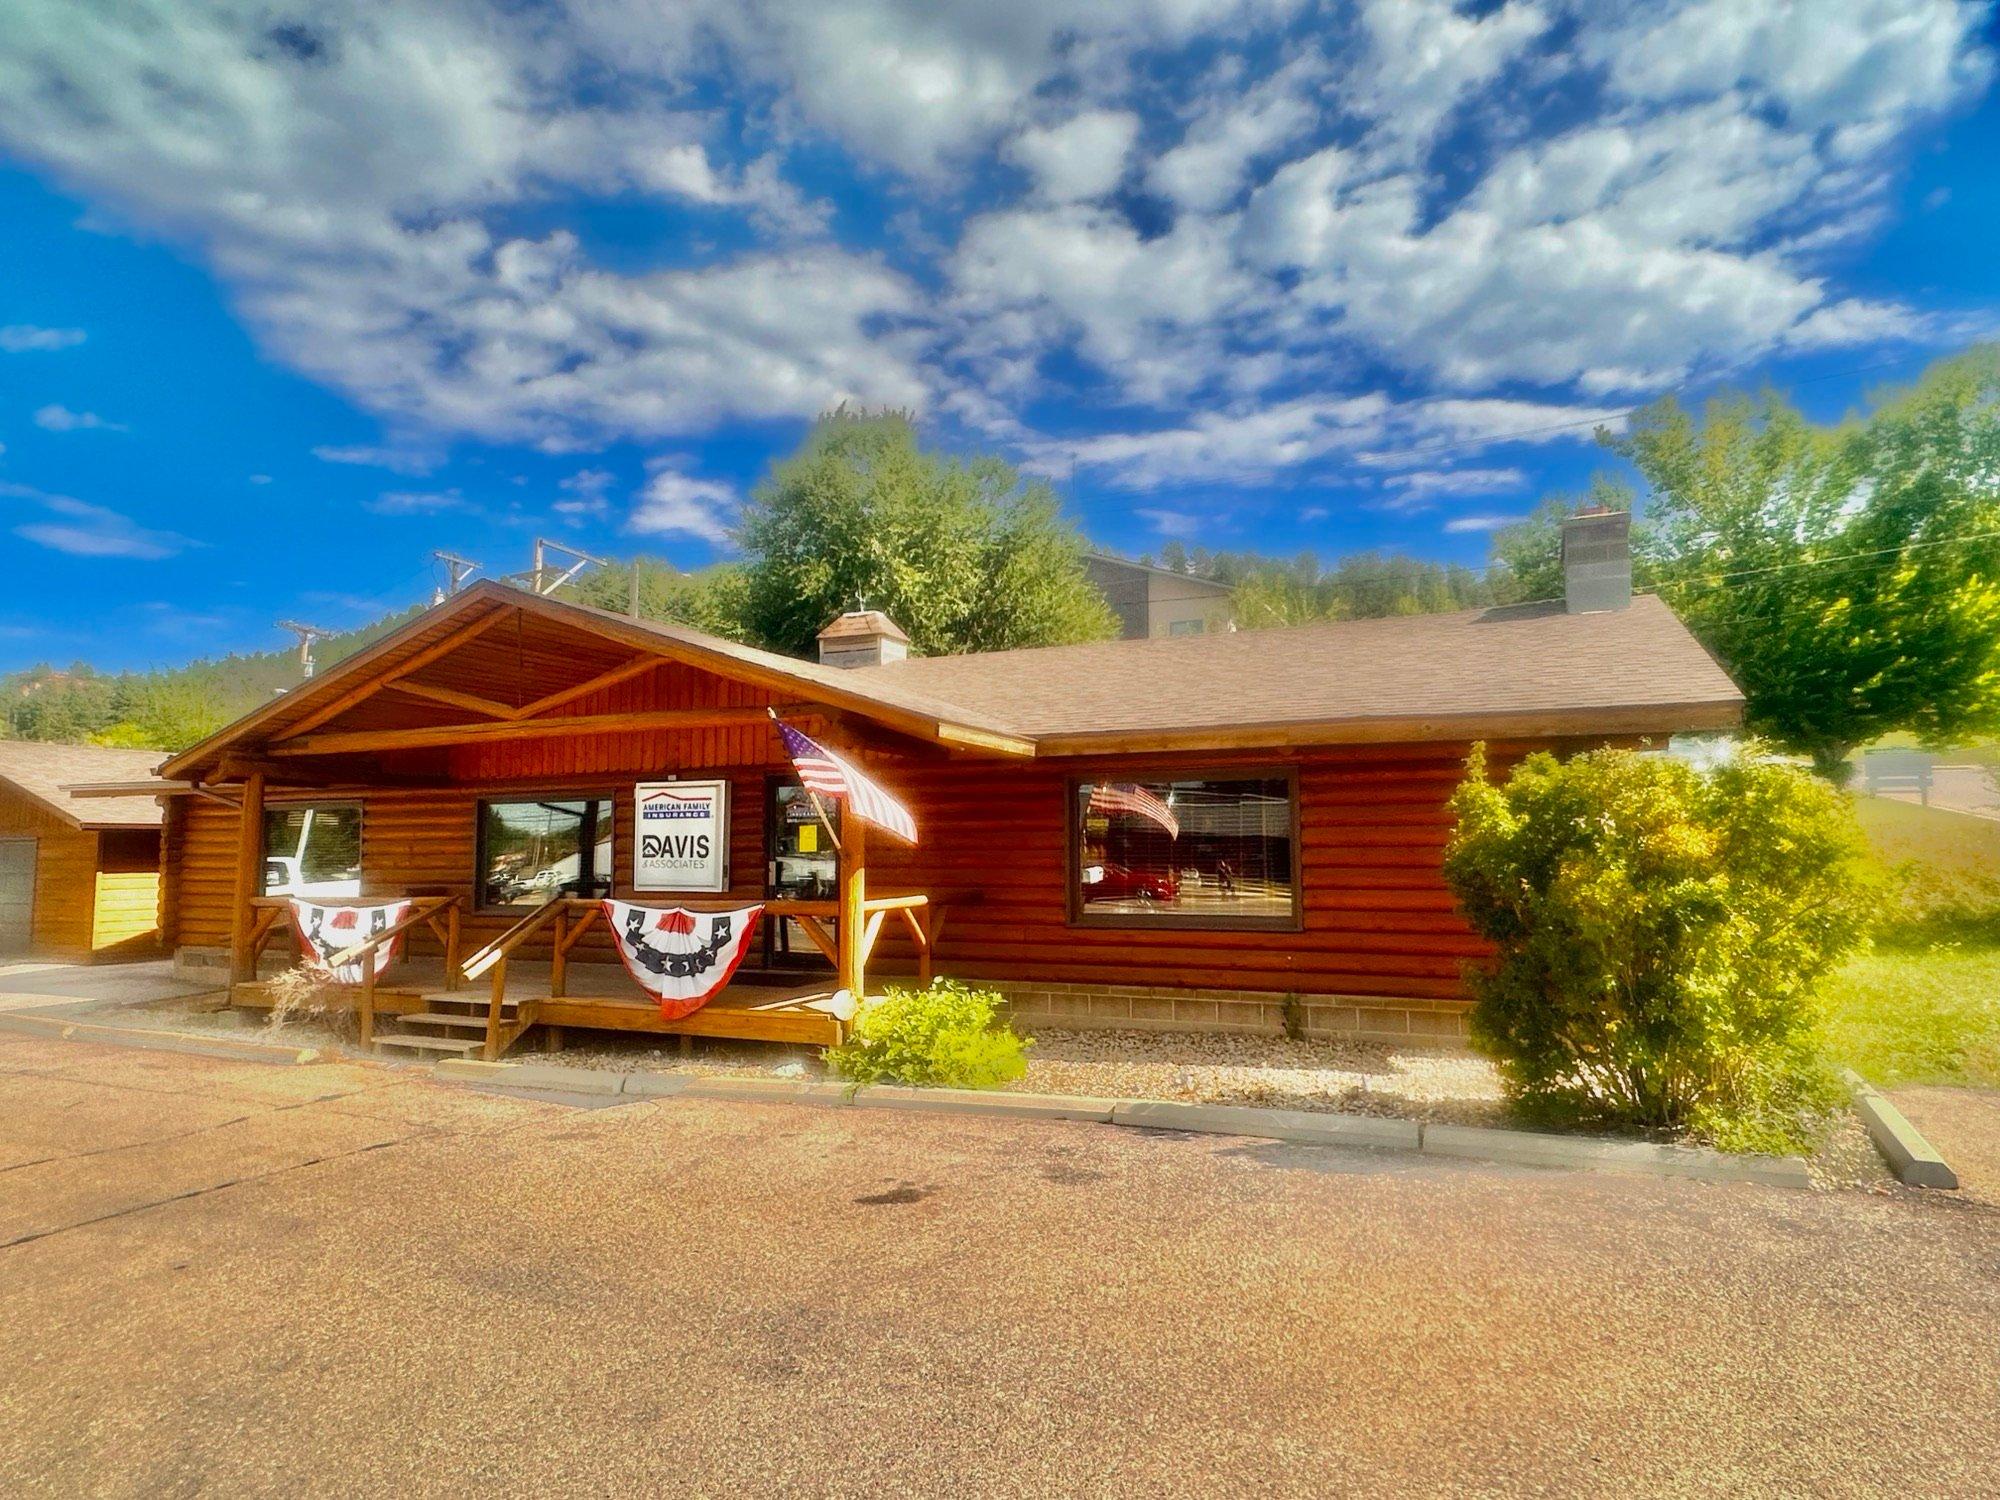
x,y
1211,848
531,851
313,850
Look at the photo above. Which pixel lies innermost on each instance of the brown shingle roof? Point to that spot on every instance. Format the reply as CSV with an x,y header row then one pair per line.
x,y
1634,670
1530,670
42,771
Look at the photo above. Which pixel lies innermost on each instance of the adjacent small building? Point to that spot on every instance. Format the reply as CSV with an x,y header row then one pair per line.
x,y
1152,601
79,876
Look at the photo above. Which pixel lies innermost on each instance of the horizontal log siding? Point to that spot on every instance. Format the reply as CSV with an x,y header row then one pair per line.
x,y
1377,918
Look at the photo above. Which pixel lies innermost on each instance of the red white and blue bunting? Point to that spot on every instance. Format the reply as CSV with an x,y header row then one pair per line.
x,y
680,957
327,930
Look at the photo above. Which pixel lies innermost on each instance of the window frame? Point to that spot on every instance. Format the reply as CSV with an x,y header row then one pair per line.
x,y
1080,916
296,804
608,800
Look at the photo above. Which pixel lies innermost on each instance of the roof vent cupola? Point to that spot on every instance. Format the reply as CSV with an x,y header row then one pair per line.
x,y
862,638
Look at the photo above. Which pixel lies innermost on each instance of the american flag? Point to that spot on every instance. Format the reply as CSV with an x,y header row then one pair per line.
x,y
1137,801
826,773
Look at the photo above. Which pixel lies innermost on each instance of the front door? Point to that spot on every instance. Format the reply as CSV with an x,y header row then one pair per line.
x,y
17,894
800,862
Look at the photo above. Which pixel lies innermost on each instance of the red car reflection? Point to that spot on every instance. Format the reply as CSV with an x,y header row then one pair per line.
x,y
1110,881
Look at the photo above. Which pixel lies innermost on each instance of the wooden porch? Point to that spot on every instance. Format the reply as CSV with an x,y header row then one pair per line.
x,y
485,1003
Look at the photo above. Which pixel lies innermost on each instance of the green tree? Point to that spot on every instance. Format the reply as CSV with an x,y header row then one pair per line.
x,y
712,599
163,713
1847,575
959,552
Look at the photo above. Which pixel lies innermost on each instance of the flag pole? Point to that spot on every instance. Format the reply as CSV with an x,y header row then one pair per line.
x,y
818,806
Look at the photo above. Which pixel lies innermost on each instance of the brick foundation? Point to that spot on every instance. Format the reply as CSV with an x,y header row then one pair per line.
x,y
1133,1008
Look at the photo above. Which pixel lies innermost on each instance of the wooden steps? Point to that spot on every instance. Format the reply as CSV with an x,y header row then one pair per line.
x,y
418,1041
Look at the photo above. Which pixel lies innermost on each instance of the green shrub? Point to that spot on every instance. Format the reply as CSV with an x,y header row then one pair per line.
x,y
948,1036
1660,932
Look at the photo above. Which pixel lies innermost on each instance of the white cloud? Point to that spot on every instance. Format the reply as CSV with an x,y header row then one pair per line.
x,y
1487,522
1425,483
1081,158
1168,522
1210,165
1310,434
585,494
260,479
1145,310
56,418
398,460
25,338
1424,57
1858,320
1862,68
418,502
86,530
675,502
1439,197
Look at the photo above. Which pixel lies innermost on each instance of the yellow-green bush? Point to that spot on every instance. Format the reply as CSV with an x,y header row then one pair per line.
x,y
948,1036
1660,932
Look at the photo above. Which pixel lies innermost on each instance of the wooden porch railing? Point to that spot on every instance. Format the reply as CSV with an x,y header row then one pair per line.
x,y
439,913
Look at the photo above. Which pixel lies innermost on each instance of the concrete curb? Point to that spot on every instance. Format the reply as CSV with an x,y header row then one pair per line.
x,y
975,1102
1300,1127
542,1077
158,1041
1912,1158
1642,1158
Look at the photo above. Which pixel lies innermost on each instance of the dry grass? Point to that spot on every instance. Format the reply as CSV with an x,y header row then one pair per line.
x,y
305,994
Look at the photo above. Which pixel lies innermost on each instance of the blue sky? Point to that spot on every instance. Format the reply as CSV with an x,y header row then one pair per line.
x,y
291,294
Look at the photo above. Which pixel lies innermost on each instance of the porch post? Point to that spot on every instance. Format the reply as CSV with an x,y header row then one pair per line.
x,y
249,863
853,891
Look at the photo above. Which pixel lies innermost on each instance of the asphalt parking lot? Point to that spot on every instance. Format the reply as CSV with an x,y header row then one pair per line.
x,y
226,1278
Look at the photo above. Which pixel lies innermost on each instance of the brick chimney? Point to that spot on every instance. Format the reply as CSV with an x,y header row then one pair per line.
x,y
862,638
1597,560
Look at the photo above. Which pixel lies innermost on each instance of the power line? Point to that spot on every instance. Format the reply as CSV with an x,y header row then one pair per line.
x,y
1821,562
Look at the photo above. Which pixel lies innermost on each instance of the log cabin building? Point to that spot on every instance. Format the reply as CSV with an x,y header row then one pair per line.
x,y
79,875
1175,832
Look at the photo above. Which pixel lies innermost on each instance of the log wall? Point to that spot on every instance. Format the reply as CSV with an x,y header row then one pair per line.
x,y
1377,919
96,894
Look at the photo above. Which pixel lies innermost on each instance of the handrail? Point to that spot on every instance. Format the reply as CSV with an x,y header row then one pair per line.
x,y
512,938
422,909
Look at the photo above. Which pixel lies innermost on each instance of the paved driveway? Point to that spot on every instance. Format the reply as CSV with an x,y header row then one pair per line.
x,y
343,1279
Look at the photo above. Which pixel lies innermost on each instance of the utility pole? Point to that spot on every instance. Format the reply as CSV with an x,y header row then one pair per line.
x,y
458,568
546,579
307,634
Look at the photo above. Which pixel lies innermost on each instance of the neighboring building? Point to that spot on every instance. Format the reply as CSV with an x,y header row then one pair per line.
x,y
1173,832
79,876
1153,601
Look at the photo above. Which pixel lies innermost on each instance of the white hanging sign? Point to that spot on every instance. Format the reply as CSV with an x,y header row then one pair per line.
x,y
680,836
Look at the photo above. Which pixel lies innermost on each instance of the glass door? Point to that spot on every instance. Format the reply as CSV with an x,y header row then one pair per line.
x,y
800,862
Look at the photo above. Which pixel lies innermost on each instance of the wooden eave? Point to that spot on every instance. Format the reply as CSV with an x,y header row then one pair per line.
x,y
1650,719
284,727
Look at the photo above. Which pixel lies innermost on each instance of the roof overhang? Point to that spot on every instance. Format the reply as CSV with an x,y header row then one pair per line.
x,y
438,631
1659,720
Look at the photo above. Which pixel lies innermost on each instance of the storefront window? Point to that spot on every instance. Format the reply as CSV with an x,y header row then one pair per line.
x,y
313,849
531,851
1214,850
